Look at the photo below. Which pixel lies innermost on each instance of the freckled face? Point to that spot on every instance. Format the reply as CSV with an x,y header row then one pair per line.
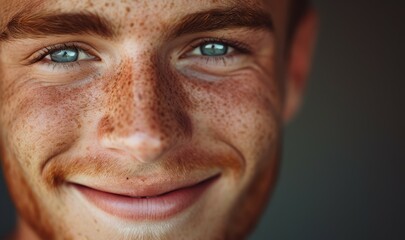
x,y
142,111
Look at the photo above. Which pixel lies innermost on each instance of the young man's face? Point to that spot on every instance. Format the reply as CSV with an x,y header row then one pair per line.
x,y
141,119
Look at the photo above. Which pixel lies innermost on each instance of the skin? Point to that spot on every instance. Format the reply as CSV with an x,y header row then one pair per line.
x,y
190,116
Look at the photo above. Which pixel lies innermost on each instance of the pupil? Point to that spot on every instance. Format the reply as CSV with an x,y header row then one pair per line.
x,y
214,49
65,55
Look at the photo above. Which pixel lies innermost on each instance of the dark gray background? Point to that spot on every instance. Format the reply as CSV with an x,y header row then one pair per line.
x,y
342,175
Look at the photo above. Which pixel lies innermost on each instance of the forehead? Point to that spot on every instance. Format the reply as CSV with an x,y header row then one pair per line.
x,y
152,5
120,12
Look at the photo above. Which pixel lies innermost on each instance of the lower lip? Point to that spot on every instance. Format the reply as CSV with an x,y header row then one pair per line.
x,y
154,208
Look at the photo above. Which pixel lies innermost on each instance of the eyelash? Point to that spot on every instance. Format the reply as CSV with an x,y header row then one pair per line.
x,y
236,45
239,46
51,49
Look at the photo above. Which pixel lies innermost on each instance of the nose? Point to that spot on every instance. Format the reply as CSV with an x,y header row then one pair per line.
x,y
141,146
144,117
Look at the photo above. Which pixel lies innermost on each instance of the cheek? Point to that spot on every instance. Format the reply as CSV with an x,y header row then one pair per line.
x,y
38,123
244,112
24,197
41,122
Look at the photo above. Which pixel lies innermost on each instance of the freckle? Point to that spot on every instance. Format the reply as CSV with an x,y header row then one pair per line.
x,y
128,9
105,125
107,4
131,24
127,178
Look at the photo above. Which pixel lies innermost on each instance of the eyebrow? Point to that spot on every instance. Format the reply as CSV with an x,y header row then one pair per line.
x,y
223,18
39,25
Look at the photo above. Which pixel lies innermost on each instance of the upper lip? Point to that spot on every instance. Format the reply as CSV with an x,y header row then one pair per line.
x,y
144,188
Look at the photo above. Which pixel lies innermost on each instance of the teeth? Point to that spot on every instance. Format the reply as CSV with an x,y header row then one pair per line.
x,y
144,197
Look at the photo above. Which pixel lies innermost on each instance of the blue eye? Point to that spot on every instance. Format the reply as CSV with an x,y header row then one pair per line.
x,y
65,55
214,49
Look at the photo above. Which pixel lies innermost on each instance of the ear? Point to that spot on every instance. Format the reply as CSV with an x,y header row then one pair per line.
x,y
299,63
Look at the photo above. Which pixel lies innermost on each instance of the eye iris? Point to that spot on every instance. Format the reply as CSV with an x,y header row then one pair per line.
x,y
214,49
65,55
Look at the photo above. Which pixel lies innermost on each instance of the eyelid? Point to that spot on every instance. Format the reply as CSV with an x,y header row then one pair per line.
x,y
42,53
235,45
197,51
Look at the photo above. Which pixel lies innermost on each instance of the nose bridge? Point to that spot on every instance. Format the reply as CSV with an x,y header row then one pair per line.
x,y
140,119
145,102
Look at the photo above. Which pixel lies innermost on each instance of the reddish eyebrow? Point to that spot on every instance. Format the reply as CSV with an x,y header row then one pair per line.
x,y
222,18
37,25
40,25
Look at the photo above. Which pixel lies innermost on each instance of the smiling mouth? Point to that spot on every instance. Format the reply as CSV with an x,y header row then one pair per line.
x,y
158,206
